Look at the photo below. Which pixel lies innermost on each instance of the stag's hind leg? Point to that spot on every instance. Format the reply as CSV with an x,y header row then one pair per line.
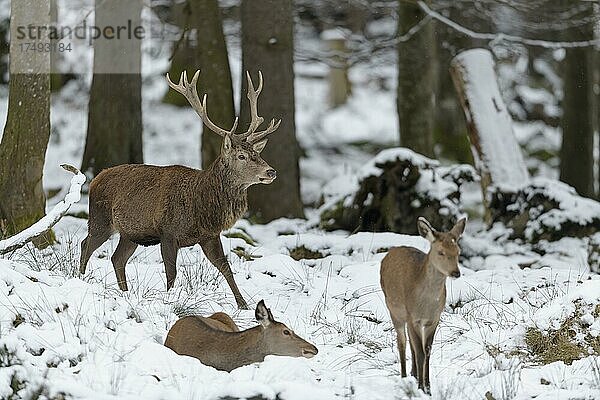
x,y
122,254
168,249
97,235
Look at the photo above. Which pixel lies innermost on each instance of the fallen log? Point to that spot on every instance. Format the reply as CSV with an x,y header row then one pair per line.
x,y
49,220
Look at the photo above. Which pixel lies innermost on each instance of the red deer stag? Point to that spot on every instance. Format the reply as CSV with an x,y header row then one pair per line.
x,y
178,206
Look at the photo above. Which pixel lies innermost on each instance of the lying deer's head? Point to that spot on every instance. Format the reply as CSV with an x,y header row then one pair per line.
x,y
240,152
280,340
444,250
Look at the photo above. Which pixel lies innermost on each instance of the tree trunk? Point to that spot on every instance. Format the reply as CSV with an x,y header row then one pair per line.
x,y
267,45
215,78
27,129
114,134
577,150
416,81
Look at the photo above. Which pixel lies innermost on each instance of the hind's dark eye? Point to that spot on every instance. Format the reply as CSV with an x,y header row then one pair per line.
x,y
286,332
441,253
242,157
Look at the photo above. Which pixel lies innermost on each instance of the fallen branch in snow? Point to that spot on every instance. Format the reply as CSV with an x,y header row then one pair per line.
x,y
50,219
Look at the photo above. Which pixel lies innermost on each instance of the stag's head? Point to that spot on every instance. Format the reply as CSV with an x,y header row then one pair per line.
x,y
240,152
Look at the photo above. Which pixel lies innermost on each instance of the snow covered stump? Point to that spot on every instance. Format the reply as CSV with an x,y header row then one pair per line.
x,y
50,219
392,190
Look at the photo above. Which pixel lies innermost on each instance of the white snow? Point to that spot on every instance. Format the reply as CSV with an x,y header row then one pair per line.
x,y
503,159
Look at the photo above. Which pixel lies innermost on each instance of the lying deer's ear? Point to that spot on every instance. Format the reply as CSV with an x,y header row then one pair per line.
x,y
425,229
459,228
263,314
259,146
226,143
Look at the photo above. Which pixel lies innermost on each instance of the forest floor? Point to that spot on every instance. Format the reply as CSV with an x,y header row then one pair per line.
x,y
510,315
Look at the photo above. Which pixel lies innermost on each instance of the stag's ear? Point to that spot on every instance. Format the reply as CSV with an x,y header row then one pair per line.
x,y
458,229
226,144
425,229
259,146
263,314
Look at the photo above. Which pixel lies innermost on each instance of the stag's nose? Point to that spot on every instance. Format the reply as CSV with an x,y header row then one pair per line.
x,y
455,274
271,173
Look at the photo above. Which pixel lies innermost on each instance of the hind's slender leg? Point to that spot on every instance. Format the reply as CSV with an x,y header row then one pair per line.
x,y
124,251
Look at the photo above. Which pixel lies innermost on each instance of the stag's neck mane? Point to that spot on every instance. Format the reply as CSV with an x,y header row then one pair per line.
x,y
226,197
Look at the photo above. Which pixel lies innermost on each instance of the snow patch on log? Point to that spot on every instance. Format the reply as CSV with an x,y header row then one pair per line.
x,y
50,219
497,154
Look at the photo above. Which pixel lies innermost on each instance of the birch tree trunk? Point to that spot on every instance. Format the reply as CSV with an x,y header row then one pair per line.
x,y
27,129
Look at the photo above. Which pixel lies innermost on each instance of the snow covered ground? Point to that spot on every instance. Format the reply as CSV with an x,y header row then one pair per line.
x,y
84,338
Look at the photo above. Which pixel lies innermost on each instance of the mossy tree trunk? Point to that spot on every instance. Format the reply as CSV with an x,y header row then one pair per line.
x,y
114,133
416,81
203,47
577,150
27,129
267,45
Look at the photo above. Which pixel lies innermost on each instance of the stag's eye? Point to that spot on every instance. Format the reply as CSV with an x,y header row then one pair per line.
x,y
242,157
286,332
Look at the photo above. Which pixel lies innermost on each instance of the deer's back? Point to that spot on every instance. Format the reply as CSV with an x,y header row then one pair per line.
x,y
211,341
141,201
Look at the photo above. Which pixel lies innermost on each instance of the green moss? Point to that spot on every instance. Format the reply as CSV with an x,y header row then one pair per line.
x,y
304,253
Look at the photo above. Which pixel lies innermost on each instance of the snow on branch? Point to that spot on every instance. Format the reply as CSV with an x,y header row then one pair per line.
x,y
497,37
50,219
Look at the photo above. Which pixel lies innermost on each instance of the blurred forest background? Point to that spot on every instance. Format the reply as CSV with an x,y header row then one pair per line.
x,y
361,53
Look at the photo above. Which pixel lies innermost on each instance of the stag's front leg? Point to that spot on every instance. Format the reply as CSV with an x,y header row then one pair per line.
x,y
214,252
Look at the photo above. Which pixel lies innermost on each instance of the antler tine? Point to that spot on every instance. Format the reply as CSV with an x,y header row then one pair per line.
x,y
255,120
189,91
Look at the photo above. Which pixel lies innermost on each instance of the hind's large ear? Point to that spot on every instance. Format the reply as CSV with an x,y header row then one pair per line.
x,y
227,145
425,229
458,229
263,314
259,146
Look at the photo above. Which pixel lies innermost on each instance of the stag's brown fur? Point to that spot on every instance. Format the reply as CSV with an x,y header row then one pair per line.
x,y
178,206
414,287
214,343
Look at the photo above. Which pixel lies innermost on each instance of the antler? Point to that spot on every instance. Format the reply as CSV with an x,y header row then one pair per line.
x,y
188,90
251,135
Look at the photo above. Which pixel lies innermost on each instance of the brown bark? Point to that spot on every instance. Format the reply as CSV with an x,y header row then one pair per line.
x,y
577,150
27,129
114,133
267,45
416,81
